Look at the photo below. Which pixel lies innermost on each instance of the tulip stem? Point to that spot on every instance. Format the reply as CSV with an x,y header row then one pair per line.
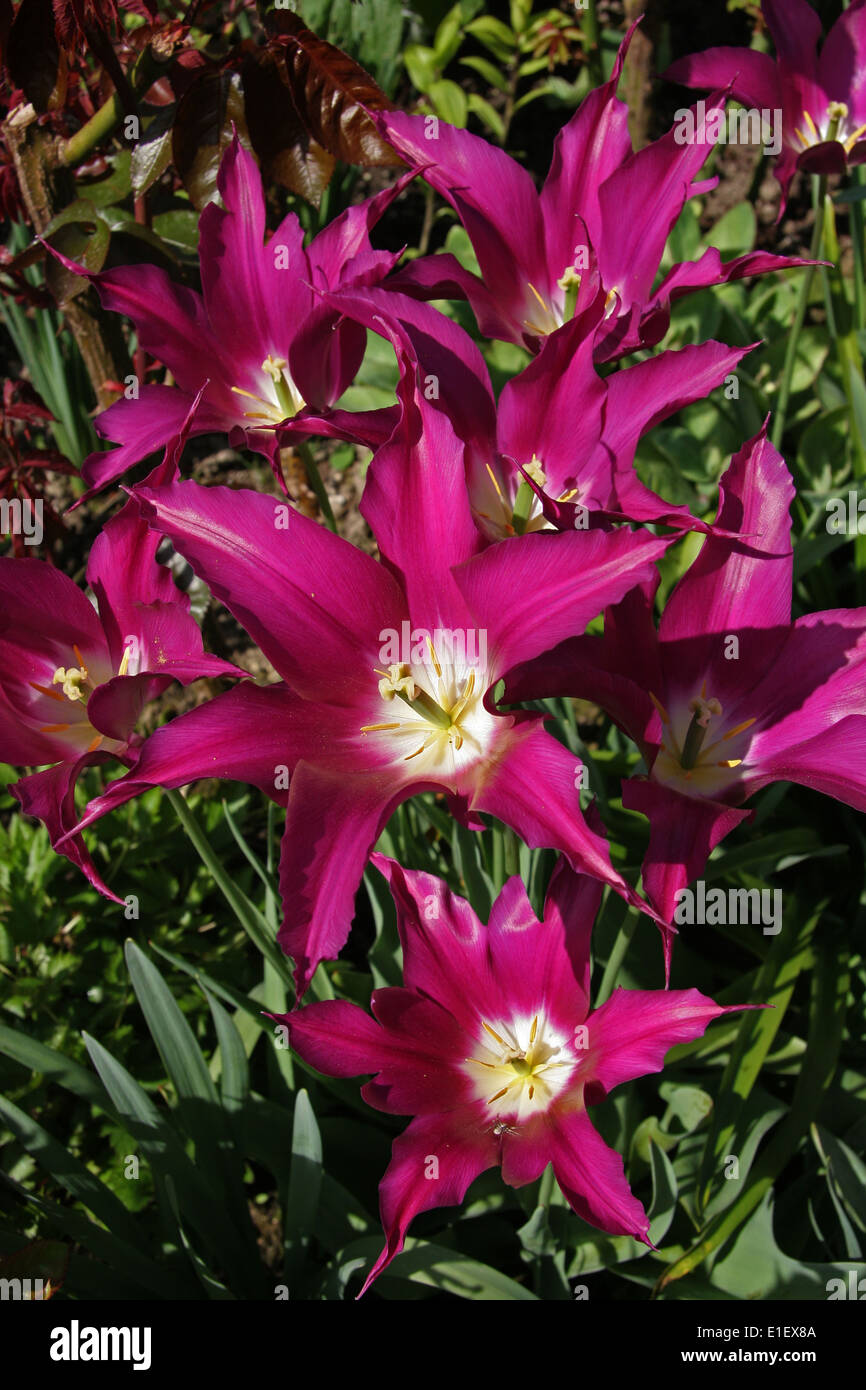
x,y
618,953
843,331
857,240
314,478
800,314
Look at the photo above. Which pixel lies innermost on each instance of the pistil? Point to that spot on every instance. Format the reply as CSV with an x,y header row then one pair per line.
x,y
702,712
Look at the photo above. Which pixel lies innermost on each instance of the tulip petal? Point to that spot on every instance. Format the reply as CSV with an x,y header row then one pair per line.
x,y
841,69
334,819
592,1177
736,586
684,831
753,77
314,603
533,591
139,427
586,151
246,735
461,1148
532,788
50,797
630,1035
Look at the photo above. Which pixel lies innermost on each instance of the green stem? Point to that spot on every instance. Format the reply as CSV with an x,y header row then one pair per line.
x,y
820,186
858,234
511,854
545,1192
842,329
314,478
103,121
593,50
617,955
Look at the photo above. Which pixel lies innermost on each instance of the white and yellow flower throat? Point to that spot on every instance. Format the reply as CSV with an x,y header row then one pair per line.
x,y
839,127
433,714
501,515
77,684
521,1067
686,760
281,399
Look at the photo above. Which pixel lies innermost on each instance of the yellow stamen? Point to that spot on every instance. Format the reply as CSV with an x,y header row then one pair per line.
x,y
662,712
374,728
46,690
239,390
495,482
493,1034
544,306
732,733
437,668
533,1030
464,699
53,728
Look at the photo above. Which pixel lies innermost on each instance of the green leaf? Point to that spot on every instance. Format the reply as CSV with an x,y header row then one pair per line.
x,y
178,228
172,1034
71,1174
734,233
486,113
52,1065
421,66
448,37
449,101
234,1071
304,1185
154,1278
758,1028
495,36
488,71
755,1267
151,155
424,1263
846,1171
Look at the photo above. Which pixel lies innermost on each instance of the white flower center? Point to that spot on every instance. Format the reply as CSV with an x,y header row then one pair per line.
x,y
686,759
520,1067
838,126
433,713
281,399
